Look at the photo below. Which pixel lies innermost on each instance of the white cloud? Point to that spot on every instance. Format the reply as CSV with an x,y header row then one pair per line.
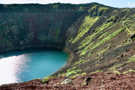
x,y
131,4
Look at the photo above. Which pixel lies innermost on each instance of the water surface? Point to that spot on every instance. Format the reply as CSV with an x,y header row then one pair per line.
x,y
28,65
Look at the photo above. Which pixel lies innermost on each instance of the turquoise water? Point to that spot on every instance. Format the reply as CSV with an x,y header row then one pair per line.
x,y
28,65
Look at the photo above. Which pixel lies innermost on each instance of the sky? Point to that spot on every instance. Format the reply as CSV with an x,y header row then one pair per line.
x,y
113,3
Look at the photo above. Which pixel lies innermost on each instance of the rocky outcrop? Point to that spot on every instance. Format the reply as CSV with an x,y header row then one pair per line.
x,y
97,81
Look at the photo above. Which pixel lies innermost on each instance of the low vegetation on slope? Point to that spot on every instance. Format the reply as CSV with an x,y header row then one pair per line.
x,y
103,41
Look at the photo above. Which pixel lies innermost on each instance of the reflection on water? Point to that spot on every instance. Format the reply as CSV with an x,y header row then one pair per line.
x,y
19,67
10,67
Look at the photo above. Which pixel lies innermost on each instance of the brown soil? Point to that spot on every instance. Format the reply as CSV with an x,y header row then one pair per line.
x,y
97,81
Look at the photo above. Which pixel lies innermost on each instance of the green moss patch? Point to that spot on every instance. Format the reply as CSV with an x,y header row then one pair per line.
x,y
72,71
87,42
128,71
80,62
131,59
109,37
84,28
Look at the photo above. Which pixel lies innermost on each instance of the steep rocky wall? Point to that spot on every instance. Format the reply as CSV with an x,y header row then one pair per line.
x,y
35,26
